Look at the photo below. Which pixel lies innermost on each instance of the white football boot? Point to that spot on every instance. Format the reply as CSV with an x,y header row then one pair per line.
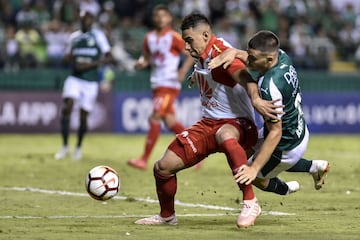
x,y
158,220
77,154
294,186
63,152
318,171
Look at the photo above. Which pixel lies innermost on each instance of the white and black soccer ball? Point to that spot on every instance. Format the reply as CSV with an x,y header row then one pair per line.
x,y
102,183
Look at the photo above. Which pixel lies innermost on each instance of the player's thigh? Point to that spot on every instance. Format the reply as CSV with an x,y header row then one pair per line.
x,y
72,88
89,93
163,101
170,163
196,142
225,132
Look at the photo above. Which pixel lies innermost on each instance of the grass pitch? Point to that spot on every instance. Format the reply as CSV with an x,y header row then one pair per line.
x,y
41,198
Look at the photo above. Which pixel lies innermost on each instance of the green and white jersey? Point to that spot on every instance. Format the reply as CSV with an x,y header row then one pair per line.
x,y
86,48
281,82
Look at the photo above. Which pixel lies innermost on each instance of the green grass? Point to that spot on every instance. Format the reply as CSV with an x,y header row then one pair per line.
x,y
27,161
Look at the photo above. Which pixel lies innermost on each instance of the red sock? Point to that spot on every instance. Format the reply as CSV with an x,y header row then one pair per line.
x,y
151,139
166,189
236,157
177,128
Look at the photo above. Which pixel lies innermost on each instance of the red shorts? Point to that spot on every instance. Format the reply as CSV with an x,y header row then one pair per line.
x,y
197,142
163,100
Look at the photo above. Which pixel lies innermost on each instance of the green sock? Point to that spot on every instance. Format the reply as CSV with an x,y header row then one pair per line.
x,y
277,186
302,165
65,129
81,133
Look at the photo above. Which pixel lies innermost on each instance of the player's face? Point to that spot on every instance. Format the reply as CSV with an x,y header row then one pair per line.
x,y
195,42
257,60
162,19
86,22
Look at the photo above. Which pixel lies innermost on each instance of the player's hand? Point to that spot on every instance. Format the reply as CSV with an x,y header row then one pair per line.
x,y
105,87
268,109
245,175
140,63
227,57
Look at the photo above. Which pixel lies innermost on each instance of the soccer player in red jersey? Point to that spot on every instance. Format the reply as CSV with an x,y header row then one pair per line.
x,y
226,126
162,51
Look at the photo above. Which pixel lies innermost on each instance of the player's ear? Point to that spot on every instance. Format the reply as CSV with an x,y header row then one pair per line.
x,y
206,35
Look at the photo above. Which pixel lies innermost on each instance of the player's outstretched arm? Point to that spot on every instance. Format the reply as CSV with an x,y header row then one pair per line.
x,y
186,66
247,174
143,61
227,57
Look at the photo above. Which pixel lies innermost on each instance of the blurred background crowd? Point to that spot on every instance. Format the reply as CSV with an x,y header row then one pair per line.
x,y
316,33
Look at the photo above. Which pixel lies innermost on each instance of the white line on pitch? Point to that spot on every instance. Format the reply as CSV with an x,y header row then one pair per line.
x,y
148,200
113,216
132,216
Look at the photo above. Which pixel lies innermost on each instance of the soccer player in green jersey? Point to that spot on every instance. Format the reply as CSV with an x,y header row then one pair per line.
x,y
285,131
87,52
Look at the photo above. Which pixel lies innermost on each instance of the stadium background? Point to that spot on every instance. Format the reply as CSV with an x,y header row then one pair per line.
x,y
322,36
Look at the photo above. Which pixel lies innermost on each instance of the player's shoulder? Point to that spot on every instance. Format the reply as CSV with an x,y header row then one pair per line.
x,y
97,32
175,34
75,34
284,62
150,33
219,46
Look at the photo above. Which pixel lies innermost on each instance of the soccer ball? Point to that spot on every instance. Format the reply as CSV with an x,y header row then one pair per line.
x,y
102,183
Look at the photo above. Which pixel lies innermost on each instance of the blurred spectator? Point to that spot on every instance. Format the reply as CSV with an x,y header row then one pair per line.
x,y
29,39
226,30
26,15
7,13
292,9
300,40
322,50
283,34
91,6
349,40
109,15
66,11
190,6
270,16
43,14
56,39
11,54
132,33
348,15
126,22
217,10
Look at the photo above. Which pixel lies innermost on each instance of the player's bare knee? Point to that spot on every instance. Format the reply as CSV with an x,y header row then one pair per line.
x,y
169,120
261,183
155,117
162,167
226,132
169,164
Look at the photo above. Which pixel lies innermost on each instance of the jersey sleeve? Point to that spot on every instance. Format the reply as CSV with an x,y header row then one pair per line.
x,y
272,91
220,46
235,65
254,74
102,42
178,43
